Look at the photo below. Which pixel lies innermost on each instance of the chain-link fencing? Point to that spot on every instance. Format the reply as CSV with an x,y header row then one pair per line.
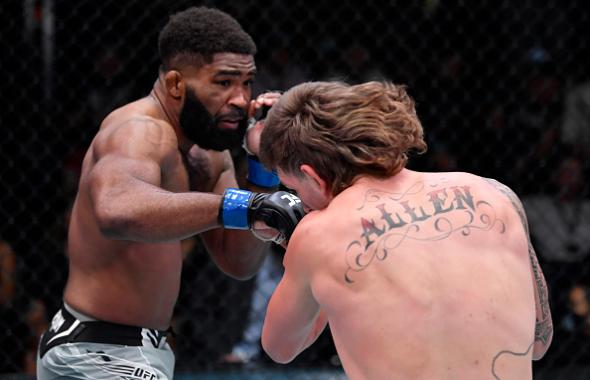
x,y
502,89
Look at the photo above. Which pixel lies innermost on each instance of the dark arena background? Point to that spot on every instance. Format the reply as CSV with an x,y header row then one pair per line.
x,y
502,88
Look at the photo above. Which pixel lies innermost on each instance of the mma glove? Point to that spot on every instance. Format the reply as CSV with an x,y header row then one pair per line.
x,y
242,209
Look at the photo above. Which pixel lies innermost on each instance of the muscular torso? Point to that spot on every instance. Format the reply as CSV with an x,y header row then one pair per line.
x,y
426,277
122,281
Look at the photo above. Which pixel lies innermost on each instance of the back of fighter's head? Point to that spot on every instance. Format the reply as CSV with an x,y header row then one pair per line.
x,y
342,131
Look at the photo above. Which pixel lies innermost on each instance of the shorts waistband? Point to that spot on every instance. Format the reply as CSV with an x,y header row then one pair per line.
x,y
78,314
66,328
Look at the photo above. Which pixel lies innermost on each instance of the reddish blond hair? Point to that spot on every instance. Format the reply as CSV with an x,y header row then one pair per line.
x,y
342,131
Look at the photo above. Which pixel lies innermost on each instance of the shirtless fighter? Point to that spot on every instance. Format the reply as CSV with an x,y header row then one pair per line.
x,y
159,171
420,275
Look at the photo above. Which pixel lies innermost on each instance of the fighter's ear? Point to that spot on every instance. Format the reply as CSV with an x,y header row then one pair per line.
x,y
174,84
316,179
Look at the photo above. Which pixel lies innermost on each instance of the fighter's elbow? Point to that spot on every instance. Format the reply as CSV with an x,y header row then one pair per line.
x,y
111,223
538,354
278,354
236,264
238,273
281,359
238,267
543,338
277,346
540,349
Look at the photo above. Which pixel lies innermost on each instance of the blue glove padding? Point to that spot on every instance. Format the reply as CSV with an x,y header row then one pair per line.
x,y
234,209
259,176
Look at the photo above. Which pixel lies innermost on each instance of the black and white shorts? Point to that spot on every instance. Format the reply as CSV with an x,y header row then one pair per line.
x,y
82,348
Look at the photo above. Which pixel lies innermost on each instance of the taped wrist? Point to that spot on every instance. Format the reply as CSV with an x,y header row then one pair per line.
x,y
258,175
233,210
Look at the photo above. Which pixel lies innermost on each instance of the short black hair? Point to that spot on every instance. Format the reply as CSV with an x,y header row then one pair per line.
x,y
198,33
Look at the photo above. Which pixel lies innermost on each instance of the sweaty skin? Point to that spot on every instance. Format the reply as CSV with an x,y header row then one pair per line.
x,y
143,189
421,276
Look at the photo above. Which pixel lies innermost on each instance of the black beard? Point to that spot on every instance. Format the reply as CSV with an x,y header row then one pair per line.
x,y
199,126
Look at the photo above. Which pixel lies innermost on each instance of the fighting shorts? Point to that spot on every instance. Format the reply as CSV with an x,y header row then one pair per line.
x,y
79,347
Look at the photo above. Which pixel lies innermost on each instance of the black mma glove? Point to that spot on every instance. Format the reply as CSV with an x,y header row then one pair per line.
x,y
242,209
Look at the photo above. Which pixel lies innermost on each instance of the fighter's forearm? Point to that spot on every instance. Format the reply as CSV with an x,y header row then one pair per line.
x,y
236,252
284,346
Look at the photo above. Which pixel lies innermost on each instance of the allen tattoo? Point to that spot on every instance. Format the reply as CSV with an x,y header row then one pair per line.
x,y
401,220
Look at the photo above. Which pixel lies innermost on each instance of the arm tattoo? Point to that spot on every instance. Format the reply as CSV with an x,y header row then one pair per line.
x,y
544,325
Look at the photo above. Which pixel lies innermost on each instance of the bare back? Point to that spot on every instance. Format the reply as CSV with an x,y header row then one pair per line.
x,y
425,276
120,280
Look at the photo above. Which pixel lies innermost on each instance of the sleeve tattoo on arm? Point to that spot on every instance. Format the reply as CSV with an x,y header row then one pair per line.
x,y
544,326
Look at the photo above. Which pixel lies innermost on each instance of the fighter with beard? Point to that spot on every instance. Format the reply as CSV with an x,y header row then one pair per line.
x,y
159,171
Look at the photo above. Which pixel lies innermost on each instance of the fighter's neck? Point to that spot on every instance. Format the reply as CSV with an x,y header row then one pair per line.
x,y
169,107
169,110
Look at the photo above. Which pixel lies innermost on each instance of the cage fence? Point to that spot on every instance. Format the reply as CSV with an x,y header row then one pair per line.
x,y
502,89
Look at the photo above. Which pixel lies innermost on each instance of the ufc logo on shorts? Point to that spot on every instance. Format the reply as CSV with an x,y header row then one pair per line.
x,y
293,200
143,374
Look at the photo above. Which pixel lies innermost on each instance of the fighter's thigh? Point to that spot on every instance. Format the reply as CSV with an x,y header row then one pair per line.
x,y
95,361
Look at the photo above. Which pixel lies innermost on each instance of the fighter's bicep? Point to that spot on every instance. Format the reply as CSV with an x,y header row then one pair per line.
x,y
127,159
115,178
137,149
115,170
